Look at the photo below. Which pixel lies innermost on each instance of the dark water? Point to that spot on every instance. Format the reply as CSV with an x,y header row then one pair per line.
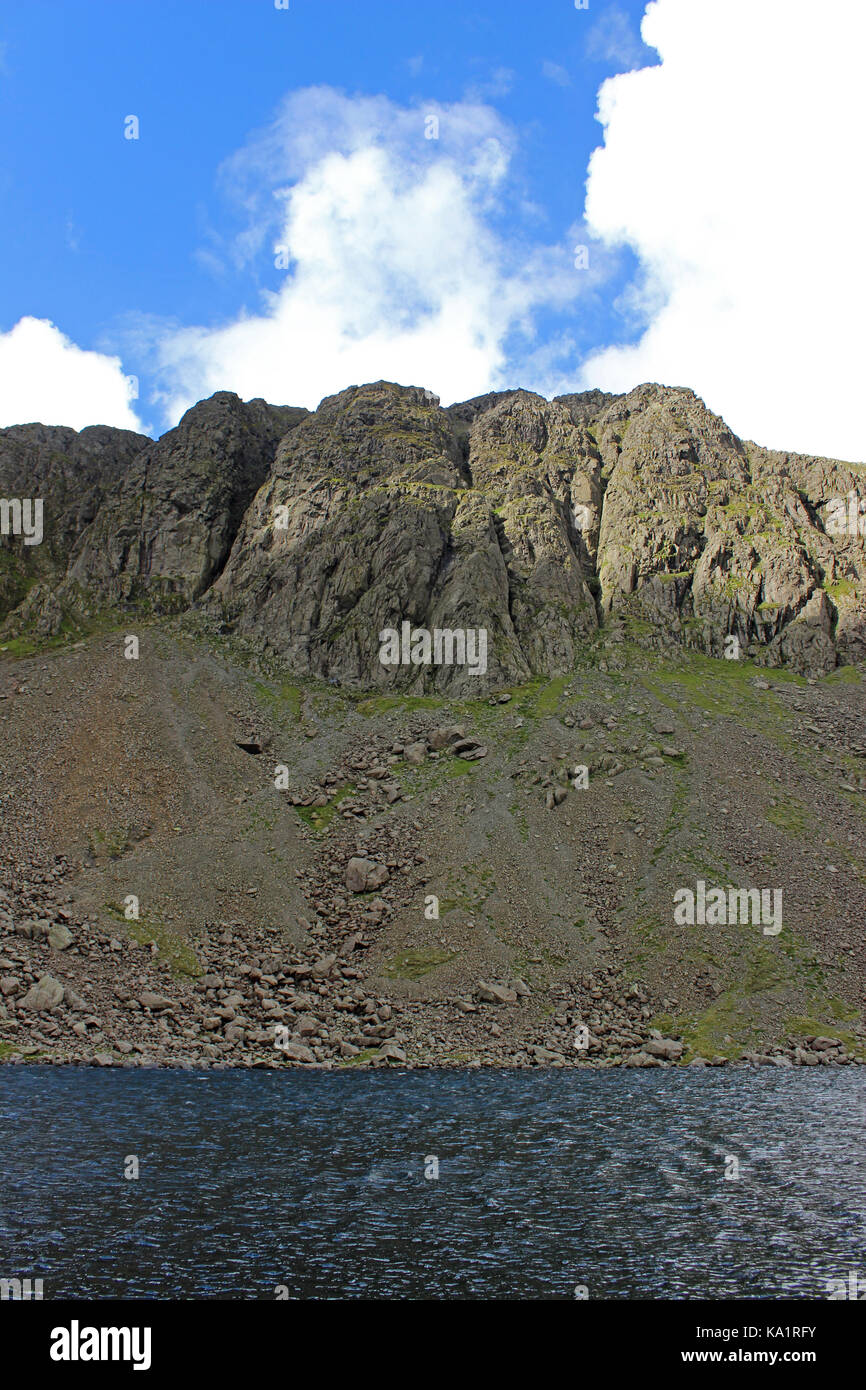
x,y
613,1180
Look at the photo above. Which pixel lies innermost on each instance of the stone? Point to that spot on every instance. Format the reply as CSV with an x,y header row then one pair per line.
x,y
157,1003
469,749
446,735
495,994
666,1048
60,938
363,875
46,994
323,967
34,929
546,1056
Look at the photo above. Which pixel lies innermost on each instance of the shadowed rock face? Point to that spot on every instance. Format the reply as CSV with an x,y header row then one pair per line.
x,y
128,520
390,514
71,472
534,520
166,527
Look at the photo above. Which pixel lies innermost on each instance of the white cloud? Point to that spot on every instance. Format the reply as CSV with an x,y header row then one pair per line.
x,y
733,170
394,271
45,377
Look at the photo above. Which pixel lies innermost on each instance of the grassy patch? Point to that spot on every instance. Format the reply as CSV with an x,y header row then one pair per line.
x,y
320,817
820,1026
548,699
113,844
412,965
751,1010
842,588
519,817
788,816
719,687
181,958
284,701
843,675
459,767
70,632
363,1056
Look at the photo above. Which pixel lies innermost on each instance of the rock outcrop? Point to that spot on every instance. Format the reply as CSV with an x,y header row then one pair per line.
x,y
532,520
705,537
70,473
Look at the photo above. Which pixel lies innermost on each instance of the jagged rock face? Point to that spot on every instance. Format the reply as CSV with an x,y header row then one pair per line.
x,y
704,537
71,473
541,475
164,530
529,519
834,498
383,509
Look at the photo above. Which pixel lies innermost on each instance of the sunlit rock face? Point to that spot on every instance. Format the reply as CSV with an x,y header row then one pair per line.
x,y
529,520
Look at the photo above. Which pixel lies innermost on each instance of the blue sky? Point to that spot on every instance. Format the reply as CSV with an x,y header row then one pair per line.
x,y
104,226
452,257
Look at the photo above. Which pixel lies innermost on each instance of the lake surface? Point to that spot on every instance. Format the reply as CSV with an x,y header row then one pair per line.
x,y
610,1180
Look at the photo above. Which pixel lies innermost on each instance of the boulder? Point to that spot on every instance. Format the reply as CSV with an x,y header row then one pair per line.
x,y
446,734
666,1048
323,967
469,749
495,994
363,875
297,1052
157,1003
34,929
46,994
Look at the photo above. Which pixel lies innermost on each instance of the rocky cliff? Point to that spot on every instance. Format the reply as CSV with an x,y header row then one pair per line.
x,y
535,520
370,861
